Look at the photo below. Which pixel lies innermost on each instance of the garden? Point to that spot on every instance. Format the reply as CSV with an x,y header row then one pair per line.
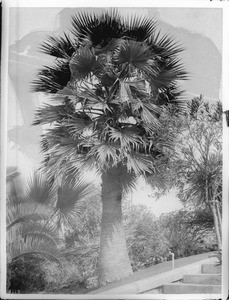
x,y
115,106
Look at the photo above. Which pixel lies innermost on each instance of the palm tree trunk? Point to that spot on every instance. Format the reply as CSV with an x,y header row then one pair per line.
x,y
114,263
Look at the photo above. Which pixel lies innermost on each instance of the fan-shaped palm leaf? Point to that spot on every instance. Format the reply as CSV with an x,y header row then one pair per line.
x,y
164,45
139,164
40,190
139,27
84,63
168,75
99,30
78,125
127,137
68,206
52,79
172,95
105,153
53,113
136,54
61,47
78,164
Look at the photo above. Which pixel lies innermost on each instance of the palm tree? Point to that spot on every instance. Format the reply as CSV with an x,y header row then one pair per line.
x,y
110,78
35,222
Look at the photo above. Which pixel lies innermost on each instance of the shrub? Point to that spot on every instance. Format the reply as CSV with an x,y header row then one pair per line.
x,y
146,242
25,276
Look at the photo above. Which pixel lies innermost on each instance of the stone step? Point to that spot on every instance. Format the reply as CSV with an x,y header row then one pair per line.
x,y
188,288
213,279
211,269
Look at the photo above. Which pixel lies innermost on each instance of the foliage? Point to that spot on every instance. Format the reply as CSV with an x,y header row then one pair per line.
x,y
64,278
198,106
119,74
35,224
25,276
196,168
199,168
90,222
82,243
110,80
26,233
185,234
200,158
146,242
148,238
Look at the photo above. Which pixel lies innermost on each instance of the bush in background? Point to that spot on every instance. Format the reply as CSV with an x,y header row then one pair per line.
x,y
25,276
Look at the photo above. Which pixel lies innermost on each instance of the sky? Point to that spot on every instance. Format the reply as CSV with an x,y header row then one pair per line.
x,y
207,22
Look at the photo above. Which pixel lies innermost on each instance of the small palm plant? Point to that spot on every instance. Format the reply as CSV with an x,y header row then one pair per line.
x,y
110,78
26,233
35,223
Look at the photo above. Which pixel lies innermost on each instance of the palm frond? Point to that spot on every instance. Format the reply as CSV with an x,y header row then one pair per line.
x,y
48,114
99,29
138,27
139,164
164,45
78,124
173,95
60,47
66,155
82,164
55,135
168,75
68,206
33,246
128,179
149,113
51,79
126,137
124,94
41,231
136,54
38,230
40,190
25,211
105,153
84,63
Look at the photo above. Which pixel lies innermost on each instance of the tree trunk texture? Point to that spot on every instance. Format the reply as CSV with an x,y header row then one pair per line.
x,y
217,227
114,263
213,208
219,218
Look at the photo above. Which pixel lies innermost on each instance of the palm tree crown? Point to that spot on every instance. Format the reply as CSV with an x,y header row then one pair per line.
x,y
108,82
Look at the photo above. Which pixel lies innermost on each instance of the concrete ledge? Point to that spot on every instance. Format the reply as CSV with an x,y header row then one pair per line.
x,y
203,279
152,282
211,269
188,288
